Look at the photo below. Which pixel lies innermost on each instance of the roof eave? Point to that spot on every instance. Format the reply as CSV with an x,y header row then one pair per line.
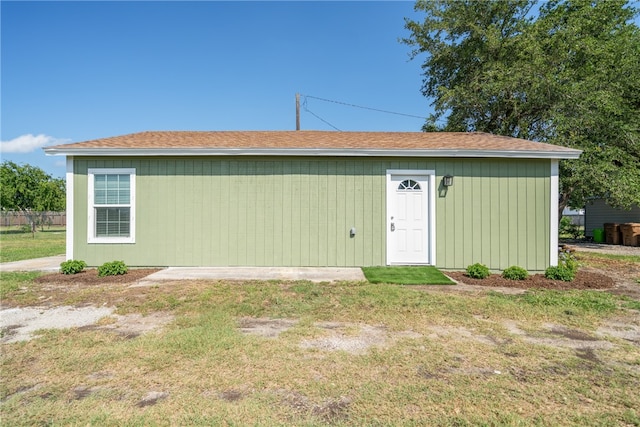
x,y
322,152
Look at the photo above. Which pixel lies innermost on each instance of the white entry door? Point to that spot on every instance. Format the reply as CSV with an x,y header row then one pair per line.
x,y
409,214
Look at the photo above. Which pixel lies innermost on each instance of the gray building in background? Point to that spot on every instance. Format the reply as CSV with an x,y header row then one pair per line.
x,y
598,213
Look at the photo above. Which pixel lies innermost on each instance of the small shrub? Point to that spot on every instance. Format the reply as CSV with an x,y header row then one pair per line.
x,y
566,269
478,271
560,272
568,260
515,273
72,266
112,268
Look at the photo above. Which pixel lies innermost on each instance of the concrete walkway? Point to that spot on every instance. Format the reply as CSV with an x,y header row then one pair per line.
x,y
49,264
314,274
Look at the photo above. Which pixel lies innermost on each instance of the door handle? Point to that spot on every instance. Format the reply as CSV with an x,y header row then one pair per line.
x,y
393,227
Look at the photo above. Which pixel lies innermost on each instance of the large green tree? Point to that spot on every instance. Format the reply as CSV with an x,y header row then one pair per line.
x,y
565,72
30,190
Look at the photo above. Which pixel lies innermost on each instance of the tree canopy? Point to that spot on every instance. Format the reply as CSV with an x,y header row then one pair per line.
x,y
566,72
29,189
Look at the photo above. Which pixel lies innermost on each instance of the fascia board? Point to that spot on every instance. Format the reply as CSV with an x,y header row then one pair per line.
x,y
518,154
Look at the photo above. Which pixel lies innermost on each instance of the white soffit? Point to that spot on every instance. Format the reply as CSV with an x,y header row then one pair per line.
x,y
518,154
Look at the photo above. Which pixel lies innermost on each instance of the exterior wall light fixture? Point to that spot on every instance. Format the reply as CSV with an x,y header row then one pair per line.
x,y
447,180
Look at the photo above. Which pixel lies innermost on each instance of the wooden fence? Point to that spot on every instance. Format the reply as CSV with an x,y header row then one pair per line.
x,y
17,218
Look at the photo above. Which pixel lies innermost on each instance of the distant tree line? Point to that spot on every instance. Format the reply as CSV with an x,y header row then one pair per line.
x,y
30,190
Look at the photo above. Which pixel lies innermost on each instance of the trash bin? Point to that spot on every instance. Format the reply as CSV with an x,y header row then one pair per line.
x,y
630,233
598,235
612,234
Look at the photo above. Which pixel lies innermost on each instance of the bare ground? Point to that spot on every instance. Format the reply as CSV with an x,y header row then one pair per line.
x,y
90,277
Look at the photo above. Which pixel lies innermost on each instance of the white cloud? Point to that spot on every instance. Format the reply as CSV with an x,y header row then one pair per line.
x,y
28,143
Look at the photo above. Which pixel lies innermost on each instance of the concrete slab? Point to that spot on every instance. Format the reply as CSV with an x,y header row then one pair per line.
x,y
51,263
313,274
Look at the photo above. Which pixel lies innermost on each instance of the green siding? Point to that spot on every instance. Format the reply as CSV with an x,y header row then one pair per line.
x,y
298,211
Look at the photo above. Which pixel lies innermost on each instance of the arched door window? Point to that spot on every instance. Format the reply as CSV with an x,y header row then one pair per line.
x,y
409,185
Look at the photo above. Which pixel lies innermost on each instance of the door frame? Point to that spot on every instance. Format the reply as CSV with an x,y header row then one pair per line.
x,y
423,175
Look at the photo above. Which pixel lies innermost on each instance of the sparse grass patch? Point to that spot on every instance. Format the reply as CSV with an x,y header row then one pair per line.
x,y
406,275
597,259
15,284
583,302
16,245
458,366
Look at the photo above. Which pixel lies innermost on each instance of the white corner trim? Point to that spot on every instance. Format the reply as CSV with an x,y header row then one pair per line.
x,y
554,194
70,222
91,238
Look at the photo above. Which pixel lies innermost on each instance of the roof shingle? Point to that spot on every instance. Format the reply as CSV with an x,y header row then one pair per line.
x,y
311,140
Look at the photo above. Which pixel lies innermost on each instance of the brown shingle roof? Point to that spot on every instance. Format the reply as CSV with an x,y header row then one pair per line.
x,y
311,140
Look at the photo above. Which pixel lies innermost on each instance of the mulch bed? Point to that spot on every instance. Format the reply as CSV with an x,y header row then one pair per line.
x,y
583,280
90,277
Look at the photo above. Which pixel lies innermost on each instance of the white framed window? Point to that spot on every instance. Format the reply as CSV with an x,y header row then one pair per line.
x,y
112,196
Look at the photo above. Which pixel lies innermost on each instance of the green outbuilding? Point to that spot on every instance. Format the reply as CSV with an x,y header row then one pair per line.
x,y
313,198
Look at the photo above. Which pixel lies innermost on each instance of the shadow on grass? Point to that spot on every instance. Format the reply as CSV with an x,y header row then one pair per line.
x,y
21,231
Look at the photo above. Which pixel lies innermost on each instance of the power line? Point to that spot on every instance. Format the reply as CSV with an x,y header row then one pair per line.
x,y
304,104
362,107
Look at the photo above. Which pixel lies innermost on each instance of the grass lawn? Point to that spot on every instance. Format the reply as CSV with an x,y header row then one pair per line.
x,y
597,259
16,245
406,275
435,358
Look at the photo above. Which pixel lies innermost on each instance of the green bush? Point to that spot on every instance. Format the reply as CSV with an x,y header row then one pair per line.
x,y
560,272
112,268
569,229
566,269
568,260
515,273
72,266
478,271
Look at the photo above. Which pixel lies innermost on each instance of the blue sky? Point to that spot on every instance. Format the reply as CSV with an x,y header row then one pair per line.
x,y
75,71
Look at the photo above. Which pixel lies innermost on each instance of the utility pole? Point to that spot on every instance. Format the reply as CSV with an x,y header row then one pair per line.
x,y
297,111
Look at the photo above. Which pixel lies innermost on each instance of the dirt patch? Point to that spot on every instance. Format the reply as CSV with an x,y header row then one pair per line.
x,y
625,273
152,398
83,391
90,277
354,338
329,410
571,334
583,280
569,338
350,337
268,328
627,329
133,325
231,395
339,339
587,354
20,324
460,333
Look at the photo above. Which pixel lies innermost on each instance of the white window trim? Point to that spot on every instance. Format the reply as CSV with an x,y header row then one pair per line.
x,y
91,232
